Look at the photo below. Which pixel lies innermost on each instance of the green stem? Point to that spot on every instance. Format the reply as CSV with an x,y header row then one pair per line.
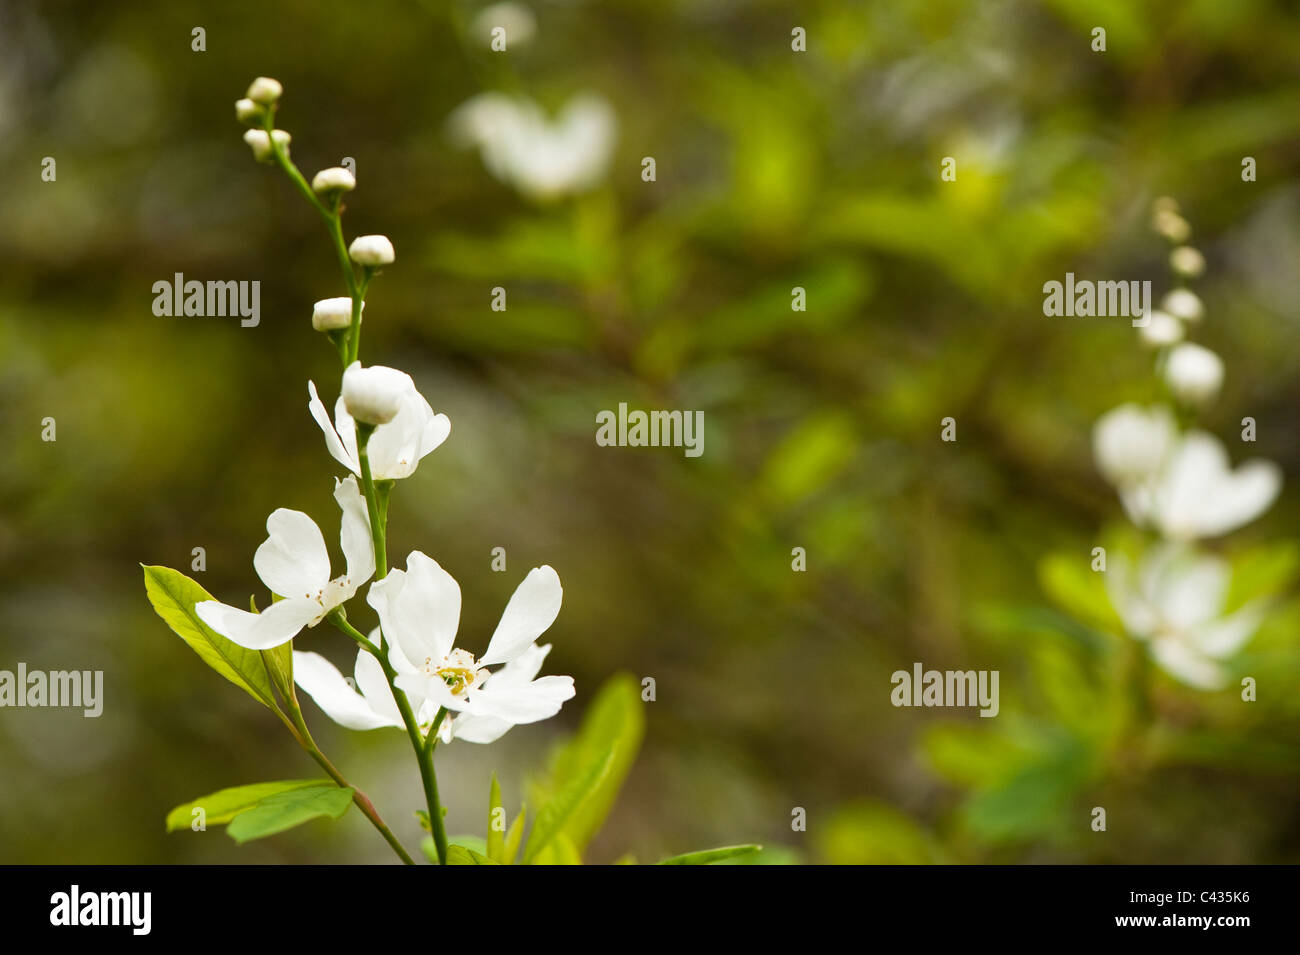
x,y
423,753
378,515
298,727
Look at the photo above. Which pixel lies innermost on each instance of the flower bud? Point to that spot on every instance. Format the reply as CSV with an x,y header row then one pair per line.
x,y
248,112
334,179
1187,261
372,250
1171,225
1161,329
1185,304
1194,373
1130,443
261,143
333,313
264,91
374,395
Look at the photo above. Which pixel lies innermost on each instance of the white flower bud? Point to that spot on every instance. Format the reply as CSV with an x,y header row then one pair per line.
x,y
248,112
1187,261
264,91
334,179
374,395
372,250
261,143
1161,329
1185,304
1194,373
333,313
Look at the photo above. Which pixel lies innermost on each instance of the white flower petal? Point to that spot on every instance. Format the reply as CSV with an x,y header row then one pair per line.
x,y
354,533
292,561
531,611
428,606
1186,665
374,687
538,700
322,681
332,442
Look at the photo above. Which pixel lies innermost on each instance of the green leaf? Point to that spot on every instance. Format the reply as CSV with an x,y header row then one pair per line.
x,y
560,851
460,855
496,838
288,809
710,856
173,596
1070,581
560,811
279,665
612,728
514,836
225,804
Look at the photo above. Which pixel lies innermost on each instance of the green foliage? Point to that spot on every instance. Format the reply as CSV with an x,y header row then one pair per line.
x,y
711,856
264,809
174,596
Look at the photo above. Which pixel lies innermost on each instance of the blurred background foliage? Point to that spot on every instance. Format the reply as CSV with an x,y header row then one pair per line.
x,y
774,170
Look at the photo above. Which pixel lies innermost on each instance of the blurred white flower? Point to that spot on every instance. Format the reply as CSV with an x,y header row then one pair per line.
x,y
396,447
1194,373
264,91
1174,600
1183,303
419,611
1196,493
246,111
1161,329
372,250
515,18
1187,261
260,143
333,313
333,179
1167,221
1131,443
294,564
540,158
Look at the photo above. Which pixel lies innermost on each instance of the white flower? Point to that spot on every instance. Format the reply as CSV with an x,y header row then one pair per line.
x,y
395,448
1194,373
541,159
372,250
246,111
374,395
1166,221
1174,600
261,143
516,19
1197,494
1161,329
295,564
419,611
1187,261
367,706
333,313
264,91
1131,443
1183,303
334,179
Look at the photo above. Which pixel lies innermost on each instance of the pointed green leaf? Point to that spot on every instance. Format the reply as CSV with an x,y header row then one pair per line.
x,y
710,856
460,855
225,804
557,813
173,596
288,809
514,836
496,837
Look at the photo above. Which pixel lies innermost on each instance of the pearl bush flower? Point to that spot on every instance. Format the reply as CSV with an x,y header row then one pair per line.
x,y
374,395
248,112
1194,373
540,158
1161,329
1187,261
372,250
1196,493
419,611
261,143
395,448
264,91
330,314
1174,600
294,564
1131,443
333,179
